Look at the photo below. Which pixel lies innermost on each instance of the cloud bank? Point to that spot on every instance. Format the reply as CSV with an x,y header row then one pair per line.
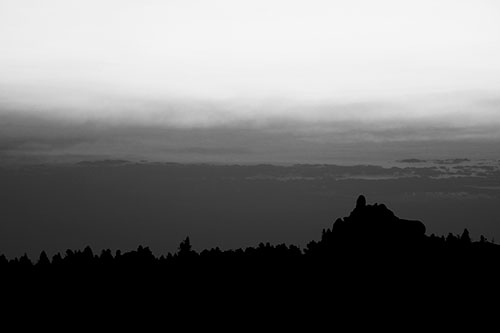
x,y
437,126
262,80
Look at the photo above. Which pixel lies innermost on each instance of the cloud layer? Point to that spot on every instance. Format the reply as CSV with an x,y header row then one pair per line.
x,y
270,131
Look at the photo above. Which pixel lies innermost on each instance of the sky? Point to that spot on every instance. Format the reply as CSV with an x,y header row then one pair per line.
x,y
346,82
421,70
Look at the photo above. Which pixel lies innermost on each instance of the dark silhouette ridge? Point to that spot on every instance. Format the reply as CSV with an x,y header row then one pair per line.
x,y
373,227
369,255
287,203
375,224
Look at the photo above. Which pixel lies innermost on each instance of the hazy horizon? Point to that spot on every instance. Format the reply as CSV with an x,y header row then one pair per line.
x,y
274,132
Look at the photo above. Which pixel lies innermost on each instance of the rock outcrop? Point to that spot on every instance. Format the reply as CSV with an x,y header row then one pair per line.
x,y
375,224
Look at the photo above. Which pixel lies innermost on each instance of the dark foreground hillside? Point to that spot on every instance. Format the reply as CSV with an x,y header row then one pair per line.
x,y
366,259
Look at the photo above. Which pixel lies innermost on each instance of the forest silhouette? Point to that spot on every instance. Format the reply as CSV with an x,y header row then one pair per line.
x,y
371,234
370,255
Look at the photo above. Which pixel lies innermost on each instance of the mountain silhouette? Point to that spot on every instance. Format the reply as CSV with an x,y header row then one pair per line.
x,y
369,228
375,224
368,256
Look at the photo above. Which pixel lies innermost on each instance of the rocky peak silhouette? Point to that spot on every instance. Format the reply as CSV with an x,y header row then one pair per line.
x,y
361,202
375,224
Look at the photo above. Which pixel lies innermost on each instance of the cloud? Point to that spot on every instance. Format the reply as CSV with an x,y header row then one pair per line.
x,y
251,130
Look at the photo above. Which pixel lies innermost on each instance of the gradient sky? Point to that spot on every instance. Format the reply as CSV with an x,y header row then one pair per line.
x,y
236,82
397,64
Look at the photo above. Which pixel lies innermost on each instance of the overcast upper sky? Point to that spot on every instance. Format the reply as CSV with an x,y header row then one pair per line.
x,y
205,63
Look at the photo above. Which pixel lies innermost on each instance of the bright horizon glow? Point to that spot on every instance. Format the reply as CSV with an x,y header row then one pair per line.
x,y
91,58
